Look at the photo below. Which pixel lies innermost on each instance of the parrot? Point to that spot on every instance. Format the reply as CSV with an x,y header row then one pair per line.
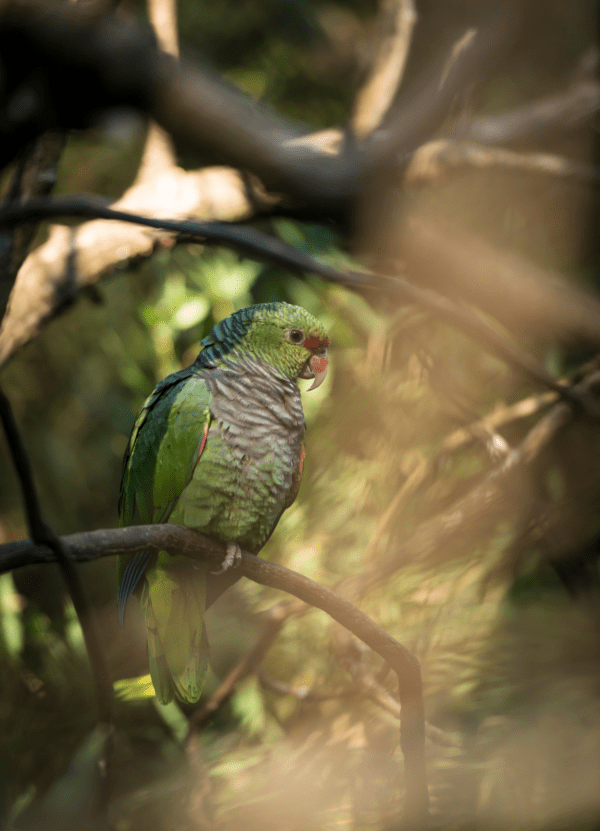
x,y
217,447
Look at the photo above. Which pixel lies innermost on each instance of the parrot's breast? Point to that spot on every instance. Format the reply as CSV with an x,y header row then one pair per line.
x,y
248,469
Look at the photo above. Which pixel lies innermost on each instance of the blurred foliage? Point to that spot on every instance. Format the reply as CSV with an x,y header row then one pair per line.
x,y
509,659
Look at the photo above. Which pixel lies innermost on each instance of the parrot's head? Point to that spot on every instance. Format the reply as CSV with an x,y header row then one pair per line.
x,y
287,337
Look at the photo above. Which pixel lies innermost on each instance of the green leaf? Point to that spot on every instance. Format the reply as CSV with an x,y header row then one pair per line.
x,y
248,705
173,717
134,689
11,625
191,313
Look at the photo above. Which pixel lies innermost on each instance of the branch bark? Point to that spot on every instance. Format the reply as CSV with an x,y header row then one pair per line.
x,y
35,175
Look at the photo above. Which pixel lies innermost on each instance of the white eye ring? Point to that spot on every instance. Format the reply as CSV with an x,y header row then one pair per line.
x,y
296,336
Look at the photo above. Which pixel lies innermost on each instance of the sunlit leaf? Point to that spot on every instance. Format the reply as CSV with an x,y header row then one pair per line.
x,y
10,619
134,689
191,312
248,705
290,232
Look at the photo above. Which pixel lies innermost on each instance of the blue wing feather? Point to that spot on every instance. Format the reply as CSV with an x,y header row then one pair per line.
x,y
130,577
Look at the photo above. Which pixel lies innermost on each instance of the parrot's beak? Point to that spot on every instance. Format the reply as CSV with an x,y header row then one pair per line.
x,y
316,367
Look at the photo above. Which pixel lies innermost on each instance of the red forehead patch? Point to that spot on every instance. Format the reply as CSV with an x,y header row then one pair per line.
x,y
316,343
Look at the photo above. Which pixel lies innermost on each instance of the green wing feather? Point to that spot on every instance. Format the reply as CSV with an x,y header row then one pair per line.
x,y
167,440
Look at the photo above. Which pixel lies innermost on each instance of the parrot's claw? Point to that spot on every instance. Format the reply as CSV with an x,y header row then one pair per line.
x,y
233,558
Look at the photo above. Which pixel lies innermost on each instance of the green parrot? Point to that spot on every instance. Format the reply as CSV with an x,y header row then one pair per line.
x,y
217,447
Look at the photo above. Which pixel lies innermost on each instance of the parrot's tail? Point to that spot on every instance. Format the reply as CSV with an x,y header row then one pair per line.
x,y
174,600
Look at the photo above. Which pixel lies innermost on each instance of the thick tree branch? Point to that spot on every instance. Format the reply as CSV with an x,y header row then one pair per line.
x,y
118,65
178,540
70,259
35,175
422,107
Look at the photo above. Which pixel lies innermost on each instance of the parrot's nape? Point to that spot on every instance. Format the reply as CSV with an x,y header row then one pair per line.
x,y
217,447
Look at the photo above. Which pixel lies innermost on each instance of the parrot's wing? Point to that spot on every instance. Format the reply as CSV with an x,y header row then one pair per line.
x,y
166,442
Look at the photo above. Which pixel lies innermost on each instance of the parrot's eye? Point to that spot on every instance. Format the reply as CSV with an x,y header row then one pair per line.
x,y
296,336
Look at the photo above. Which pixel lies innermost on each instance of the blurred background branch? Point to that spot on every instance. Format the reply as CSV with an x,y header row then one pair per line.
x,y
42,534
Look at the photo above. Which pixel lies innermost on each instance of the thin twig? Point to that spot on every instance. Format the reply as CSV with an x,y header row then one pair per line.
x,y
43,534
525,408
246,240
482,502
369,686
437,158
412,482
468,321
305,693
557,113
246,665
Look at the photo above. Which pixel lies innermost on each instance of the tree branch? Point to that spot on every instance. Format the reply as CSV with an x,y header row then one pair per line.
x,y
35,175
397,19
120,66
43,534
261,246
177,540
538,119
436,159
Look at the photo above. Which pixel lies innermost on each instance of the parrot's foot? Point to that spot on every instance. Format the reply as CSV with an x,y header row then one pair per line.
x,y
233,558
